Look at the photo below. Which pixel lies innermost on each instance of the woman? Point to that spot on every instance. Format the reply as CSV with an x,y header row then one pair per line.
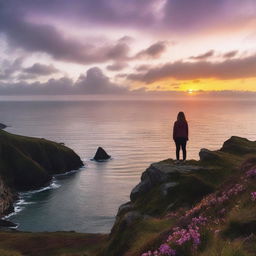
x,y
180,135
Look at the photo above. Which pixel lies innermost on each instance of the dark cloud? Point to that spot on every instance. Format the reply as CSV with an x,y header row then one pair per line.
x,y
230,54
117,66
34,37
95,82
41,69
151,15
153,51
228,69
203,56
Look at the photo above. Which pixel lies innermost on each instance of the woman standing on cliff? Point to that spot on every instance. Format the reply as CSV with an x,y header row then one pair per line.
x,y
180,135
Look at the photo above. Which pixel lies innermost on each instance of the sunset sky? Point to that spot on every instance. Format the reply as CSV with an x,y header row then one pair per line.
x,y
118,46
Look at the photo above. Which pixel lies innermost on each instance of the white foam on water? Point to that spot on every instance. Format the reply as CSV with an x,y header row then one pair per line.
x,y
53,185
67,173
19,205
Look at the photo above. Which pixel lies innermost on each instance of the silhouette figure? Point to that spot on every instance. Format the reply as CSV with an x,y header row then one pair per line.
x,y
180,135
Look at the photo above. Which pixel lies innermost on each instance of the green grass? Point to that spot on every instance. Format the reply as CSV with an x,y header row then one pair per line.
x,y
27,163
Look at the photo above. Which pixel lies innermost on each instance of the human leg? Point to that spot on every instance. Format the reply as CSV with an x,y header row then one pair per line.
x,y
177,143
184,151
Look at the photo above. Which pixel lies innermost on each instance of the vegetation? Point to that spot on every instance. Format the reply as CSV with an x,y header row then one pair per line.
x,y
208,211
27,163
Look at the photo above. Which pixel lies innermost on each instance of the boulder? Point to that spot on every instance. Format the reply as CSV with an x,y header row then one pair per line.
x,y
207,155
101,155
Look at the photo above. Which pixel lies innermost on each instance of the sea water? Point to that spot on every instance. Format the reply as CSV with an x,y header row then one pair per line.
x,y
134,133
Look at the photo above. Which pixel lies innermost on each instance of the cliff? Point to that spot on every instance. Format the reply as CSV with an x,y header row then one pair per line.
x,y
171,197
199,208
28,163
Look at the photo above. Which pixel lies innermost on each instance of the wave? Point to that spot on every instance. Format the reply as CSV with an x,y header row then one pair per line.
x,y
20,204
53,185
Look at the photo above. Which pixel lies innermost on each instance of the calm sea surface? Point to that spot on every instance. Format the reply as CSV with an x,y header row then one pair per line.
x,y
135,133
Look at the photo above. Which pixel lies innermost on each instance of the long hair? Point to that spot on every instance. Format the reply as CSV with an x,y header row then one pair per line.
x,y
181,117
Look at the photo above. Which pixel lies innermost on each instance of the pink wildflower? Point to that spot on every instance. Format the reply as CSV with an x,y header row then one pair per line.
x,y
253,196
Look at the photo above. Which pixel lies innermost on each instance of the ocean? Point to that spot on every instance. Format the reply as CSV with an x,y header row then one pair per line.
x,y
134,132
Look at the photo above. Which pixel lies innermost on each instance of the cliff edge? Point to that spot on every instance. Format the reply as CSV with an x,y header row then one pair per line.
x,y
190,208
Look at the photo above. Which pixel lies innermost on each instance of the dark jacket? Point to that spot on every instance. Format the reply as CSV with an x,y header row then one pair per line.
x,y
180,130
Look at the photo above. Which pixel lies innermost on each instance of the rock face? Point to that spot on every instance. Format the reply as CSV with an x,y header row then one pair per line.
x,y
2,126
160,173
28,163
7,197
166,187
101,155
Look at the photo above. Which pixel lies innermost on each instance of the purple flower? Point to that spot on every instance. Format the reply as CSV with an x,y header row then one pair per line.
x,y
165,249
251,173
253,196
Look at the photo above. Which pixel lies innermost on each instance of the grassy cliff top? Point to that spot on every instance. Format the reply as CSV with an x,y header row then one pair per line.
x,y
27,162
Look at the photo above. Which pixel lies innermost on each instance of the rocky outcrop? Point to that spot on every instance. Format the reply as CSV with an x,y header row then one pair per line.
x,y
7,197
166,187
161,173
101,155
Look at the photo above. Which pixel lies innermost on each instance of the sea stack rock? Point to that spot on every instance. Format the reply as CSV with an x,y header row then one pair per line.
x,y
101,155
2,126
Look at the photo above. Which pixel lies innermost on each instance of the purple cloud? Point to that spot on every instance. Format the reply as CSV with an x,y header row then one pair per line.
x,y
230,54
117,66
203,56
95,82
228,69
153,51
40,69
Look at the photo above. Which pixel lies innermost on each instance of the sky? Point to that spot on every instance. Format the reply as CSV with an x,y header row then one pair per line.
x,y
118,47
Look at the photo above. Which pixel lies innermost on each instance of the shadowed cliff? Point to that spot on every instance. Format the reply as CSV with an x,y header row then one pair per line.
x,y
28,163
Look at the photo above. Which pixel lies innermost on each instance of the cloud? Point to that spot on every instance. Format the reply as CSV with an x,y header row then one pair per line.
x,y
95,82
9,68
117,66
34,37
40,69
142,67
153,51
186,15
228,69
52,86
230,54
203,56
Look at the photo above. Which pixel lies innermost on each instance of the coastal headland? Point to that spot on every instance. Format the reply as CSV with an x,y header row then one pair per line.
x,y
204,207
